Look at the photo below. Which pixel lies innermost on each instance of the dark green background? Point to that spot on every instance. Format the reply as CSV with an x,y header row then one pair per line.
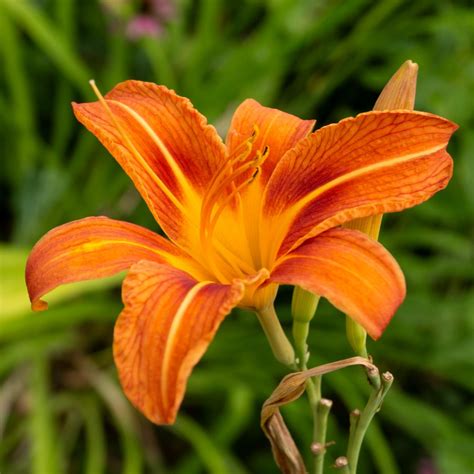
x,y
61,409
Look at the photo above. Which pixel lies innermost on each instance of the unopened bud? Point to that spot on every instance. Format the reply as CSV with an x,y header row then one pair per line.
x,y
303,308
400,91
303,305
357,336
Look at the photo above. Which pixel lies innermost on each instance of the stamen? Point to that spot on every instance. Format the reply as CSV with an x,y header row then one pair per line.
x,y
218,181
223,189
134,151
256,163
231,179
239,155
206,240
213,196
226,201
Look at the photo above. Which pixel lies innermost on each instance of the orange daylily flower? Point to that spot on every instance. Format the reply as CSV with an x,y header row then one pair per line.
x,y
243,217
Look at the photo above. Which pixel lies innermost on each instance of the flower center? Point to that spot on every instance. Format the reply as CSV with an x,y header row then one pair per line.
x,y
224,193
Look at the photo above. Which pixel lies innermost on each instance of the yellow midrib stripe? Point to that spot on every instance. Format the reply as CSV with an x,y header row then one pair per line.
x,y
178,172
135,152
295,208
171,259
167,354
354,174
89,246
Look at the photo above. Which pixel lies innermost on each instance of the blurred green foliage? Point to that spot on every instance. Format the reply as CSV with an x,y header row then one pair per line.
x,y
61,408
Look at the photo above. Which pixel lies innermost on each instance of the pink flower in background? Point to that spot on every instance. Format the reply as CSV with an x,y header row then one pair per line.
x,y
144,26
144,19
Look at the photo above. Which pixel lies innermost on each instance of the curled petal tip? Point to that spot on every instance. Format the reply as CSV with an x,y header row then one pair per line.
x,y
39,305
259,277
87,249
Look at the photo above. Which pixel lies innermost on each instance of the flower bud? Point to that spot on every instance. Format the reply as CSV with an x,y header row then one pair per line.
x,y
356,335
303,305
303,308
400,90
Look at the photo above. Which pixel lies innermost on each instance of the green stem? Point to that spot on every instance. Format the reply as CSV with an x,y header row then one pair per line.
x,y
281,346
360,423
320,408
321,414
313,389
303,309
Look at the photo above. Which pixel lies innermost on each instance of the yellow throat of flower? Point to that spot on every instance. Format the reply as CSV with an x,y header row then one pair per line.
x,y
225,195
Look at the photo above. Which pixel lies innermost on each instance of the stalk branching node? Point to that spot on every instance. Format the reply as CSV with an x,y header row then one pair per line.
x,y
341,462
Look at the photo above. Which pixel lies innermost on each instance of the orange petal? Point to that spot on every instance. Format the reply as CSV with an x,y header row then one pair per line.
x,y
168,321
162,143
90,248
356,274
374,163
276,129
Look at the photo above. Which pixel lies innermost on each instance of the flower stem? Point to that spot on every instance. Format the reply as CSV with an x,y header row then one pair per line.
x,y
281,346
361,421
321,414
304,305
320,408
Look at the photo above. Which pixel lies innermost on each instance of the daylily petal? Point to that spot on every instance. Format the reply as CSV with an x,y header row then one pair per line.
x,y
374,163
168,321
90,248
356,274
278,130
162,143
